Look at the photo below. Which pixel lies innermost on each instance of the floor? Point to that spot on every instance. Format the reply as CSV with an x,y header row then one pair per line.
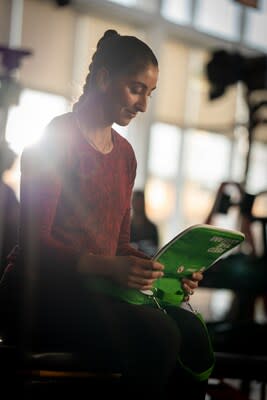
x,y
235,384
213,304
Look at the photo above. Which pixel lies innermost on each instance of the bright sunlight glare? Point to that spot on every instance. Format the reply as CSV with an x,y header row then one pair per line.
x,y
27,121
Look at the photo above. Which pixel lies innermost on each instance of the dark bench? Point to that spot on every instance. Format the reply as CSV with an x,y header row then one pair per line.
x,y
47,375
242,367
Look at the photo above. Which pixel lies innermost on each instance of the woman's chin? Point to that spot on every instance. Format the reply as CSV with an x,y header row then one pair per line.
x,y
124,121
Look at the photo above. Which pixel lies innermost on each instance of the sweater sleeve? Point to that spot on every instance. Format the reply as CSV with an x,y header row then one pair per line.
x,y
40,190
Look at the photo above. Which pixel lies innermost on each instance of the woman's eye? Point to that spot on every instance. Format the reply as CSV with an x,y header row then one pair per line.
x,y
140,91
136,90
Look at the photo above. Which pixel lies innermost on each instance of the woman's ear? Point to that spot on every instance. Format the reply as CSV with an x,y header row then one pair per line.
x,y
102,79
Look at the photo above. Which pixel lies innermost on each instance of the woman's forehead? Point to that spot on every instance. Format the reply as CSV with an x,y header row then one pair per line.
x,y
148,76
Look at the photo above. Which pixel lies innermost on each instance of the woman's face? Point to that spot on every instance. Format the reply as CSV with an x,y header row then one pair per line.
x,y
125,96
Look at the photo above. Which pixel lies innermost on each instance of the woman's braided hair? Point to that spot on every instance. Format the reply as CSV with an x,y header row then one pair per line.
x,y
119,54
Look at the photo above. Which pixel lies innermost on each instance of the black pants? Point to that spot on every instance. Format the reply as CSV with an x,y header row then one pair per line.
x,y
142,342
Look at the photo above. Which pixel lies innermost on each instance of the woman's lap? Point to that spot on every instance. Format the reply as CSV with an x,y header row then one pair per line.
x,y
141,341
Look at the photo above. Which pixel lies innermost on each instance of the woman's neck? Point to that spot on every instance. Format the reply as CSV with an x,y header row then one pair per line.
x,y
92,123
97,135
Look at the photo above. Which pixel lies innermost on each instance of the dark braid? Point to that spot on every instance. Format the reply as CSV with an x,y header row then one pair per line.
x,y
119,54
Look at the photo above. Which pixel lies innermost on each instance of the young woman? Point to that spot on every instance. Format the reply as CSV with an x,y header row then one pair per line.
x,y
76,188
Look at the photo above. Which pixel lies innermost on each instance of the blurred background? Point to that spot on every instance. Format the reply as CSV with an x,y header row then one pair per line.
x,y
206,122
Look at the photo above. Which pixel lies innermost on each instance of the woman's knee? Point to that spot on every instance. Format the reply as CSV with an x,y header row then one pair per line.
x,y
163,337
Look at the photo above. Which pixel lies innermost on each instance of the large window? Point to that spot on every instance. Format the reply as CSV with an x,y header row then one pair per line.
x,y
26,123
185,169
177,11
257,174
164,150
128,3
206,159
256,27
143,4
219,18
163,165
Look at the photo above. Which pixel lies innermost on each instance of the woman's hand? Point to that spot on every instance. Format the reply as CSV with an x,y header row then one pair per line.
x,y
191,284
135,272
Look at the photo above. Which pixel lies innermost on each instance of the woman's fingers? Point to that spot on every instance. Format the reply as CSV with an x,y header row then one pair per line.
x,y
141,284
151,274
190,284
143,275
151,265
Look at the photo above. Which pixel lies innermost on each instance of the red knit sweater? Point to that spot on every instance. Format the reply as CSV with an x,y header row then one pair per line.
x,y
73,198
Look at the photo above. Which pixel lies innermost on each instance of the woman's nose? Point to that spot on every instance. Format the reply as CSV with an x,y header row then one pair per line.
x,y
142,104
